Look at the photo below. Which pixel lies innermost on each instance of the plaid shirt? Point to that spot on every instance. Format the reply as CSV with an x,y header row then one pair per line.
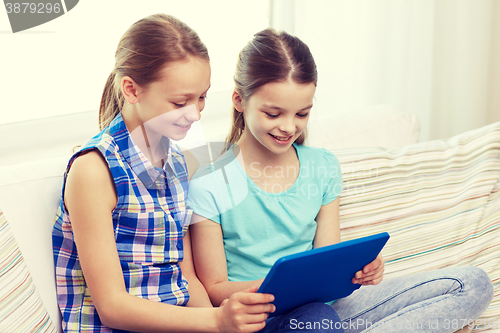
x,y
149,220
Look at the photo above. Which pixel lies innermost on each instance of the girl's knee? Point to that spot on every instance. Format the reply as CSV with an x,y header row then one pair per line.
x,y
476,279
481,283
479,287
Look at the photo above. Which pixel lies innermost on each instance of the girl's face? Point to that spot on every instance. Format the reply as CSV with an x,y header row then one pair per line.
x,y
169,106
276,114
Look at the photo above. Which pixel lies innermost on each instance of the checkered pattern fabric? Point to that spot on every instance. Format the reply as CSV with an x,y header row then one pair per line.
x,y
149,222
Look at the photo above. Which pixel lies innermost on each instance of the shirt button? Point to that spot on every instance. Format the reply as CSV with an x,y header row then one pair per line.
x,y
179,246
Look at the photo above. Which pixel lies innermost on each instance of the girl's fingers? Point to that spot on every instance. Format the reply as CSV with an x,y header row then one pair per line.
x,y
374,265
261,308
256,318
242,321
251,298
247,311
370,279
255,327
251,290
362,275
372,268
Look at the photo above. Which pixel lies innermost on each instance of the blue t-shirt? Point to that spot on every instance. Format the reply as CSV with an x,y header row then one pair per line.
x,y
259,227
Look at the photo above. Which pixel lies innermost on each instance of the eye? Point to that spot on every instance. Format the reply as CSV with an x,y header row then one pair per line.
x,y
180,105
270,115
202,98
302,115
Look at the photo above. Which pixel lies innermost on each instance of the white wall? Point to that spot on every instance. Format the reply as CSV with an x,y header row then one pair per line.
x,y
438,59
61,66
52,76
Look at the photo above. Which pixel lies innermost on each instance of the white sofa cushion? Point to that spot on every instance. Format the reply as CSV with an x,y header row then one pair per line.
x,y
21,308
439,200
29,197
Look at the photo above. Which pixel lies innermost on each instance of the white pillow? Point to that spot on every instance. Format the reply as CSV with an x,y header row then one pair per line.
x,y
376,126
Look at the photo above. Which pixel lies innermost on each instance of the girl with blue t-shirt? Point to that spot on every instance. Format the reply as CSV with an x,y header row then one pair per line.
x,y
269,195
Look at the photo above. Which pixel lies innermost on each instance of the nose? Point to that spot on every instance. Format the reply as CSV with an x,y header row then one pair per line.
x,y
287,125
193,113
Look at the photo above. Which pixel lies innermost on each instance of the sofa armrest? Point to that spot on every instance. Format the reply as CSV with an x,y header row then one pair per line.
x,y
29,197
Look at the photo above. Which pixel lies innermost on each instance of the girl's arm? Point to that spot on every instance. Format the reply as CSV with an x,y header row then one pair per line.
x,y
328,225
90,198
210,260
198,296
328,232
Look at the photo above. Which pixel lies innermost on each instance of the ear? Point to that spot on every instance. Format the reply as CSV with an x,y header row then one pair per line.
x,y
130,89
237,101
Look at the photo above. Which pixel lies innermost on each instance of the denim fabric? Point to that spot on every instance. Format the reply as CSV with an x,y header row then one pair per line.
x,y
443,300
309,318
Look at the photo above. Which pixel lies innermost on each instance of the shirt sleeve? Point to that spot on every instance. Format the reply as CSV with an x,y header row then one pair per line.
x,y
334,183
202,194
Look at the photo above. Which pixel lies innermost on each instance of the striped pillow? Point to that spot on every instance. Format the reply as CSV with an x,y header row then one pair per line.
x,y
21,309
439,200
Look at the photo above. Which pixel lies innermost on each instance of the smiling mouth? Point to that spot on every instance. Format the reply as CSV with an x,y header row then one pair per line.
x,y
281,138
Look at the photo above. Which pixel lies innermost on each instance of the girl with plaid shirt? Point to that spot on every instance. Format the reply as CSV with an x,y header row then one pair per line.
x,y
121,246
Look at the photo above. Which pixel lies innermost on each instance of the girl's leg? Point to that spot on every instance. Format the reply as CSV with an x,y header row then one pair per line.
x,y
309,318
443,300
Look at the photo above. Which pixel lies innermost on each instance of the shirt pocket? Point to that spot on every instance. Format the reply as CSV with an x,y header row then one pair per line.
x,y
146,237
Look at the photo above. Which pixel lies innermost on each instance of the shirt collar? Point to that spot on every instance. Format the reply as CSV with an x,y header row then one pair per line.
x,y
151,176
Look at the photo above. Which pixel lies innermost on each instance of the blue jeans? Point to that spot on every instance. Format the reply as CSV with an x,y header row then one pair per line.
x,y
443,300
309,318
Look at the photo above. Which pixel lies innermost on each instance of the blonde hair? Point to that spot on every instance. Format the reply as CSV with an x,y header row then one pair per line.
x,y
143,50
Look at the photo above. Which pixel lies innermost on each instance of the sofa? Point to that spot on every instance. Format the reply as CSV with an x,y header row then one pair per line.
x,y
439,200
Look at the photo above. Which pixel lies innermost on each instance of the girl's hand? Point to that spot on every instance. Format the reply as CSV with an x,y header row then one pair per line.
x,y
372,274
245,311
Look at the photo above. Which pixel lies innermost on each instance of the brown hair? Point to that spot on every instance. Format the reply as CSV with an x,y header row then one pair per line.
x,y
269,57
143,50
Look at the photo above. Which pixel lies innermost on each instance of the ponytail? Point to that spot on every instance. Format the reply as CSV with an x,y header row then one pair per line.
x,y
111,102
237,127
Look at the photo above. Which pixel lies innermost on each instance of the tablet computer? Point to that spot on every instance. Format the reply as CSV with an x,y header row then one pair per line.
x,y
320,275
